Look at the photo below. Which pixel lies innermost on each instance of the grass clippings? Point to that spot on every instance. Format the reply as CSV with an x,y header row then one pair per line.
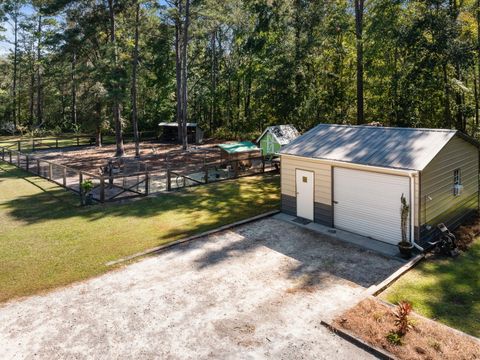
x,y
372,321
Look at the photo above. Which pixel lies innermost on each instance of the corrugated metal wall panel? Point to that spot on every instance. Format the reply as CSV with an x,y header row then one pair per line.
x,y
437,199
368,203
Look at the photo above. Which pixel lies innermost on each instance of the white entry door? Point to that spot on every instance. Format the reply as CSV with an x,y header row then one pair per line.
x,y
368,203
304,184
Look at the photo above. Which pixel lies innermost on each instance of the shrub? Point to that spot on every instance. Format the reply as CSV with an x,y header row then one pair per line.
x,y
394,338
402,318
87,186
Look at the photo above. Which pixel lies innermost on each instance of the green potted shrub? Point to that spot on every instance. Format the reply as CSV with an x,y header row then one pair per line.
x,y
87,196
405,246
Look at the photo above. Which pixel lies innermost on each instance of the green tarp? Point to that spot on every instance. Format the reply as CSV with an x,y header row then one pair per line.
x,y
242,146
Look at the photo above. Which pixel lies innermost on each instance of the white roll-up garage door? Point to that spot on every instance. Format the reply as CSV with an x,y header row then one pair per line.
x,y
368,203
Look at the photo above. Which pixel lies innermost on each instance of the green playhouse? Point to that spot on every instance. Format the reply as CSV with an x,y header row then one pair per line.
x,y
274,137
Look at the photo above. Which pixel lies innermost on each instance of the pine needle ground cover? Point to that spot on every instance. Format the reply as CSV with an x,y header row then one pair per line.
x,y
48,240
373,322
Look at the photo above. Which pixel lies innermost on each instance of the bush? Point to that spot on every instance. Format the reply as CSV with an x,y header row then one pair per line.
x,y
87,186
402,317
394,338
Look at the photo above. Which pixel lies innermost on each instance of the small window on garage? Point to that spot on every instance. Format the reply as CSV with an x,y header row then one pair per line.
x,y
457,182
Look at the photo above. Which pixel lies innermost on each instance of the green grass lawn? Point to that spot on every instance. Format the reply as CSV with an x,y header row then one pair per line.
x,y
48,240
447,290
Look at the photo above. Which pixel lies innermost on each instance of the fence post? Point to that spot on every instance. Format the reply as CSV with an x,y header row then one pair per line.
x,y
3,153
33,144
10,156
38,167
263,164
19,146
80,181
102,189
169,185
56,143
64,177
147,183
50,171
206,175
27,163
78,141
18,158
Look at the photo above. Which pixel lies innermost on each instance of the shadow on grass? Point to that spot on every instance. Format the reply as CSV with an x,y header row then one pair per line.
x,y
455,297
226,202
447,290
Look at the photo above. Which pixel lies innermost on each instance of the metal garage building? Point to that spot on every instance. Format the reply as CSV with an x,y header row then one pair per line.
x,y
352,178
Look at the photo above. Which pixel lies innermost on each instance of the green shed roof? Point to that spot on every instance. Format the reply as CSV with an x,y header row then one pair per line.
x,y
238,147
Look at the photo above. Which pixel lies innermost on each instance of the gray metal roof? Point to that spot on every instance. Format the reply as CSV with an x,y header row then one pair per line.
x,y
400,148
174,124
284,134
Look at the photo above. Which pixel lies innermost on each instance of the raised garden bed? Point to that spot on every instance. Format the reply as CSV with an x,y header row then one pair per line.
x,y
372,320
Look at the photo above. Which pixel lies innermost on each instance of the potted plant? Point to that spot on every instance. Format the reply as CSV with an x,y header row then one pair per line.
x,y
86,194
405,246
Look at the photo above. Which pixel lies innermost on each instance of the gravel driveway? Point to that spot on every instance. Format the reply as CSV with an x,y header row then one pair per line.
x,y
257,291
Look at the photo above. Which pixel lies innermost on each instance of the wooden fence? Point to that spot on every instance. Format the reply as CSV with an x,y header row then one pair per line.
x,y
112,187
219,171
106,188
45,143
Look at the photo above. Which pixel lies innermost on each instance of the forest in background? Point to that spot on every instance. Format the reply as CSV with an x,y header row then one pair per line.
x,y
235,67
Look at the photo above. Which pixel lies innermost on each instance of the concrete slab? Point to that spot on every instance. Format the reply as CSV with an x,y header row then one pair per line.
x,y
346,236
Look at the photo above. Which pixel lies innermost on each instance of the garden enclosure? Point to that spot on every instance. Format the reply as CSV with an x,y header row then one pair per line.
x,y
129,177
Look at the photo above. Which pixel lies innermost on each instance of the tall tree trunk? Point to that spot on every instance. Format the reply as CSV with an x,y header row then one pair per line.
x,y
134,81
98,129
359,7
185,75
39,73
74,89
178,68
213,79
15,67
459,102
32,92
477,74
116,89
447,113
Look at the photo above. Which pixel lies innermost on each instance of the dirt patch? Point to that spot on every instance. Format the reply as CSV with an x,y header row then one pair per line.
x,y
155,155
371,321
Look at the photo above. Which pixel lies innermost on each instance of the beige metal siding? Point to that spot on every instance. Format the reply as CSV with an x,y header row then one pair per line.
x,y
437,183
323,177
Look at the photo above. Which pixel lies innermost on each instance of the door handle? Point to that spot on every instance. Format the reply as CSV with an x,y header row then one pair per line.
x,y
335,202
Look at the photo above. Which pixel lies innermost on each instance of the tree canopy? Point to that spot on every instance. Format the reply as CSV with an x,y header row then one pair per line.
x,y
93,66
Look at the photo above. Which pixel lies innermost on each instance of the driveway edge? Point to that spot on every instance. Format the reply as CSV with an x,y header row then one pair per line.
x,y
193,237
381,354
378,288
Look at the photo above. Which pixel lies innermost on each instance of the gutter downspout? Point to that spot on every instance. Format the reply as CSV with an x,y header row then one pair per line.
x,y
412,212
